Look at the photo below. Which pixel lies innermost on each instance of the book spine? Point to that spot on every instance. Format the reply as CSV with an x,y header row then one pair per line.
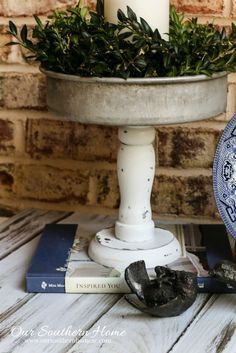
x,y
45,284
96,285
118,285
212,285
107,285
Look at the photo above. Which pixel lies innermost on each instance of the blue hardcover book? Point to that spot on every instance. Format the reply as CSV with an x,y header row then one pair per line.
x,y
215,239
61,263
47,271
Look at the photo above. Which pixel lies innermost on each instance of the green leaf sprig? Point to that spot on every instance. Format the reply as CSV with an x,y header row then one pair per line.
x,y
81,42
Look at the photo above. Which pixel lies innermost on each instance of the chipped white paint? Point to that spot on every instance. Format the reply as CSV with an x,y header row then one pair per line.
x,y
135,236
207,327
136,103
107,250
136,168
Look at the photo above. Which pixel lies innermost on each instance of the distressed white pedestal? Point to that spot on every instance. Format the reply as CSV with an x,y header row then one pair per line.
x,y
134,236
207,326
134,105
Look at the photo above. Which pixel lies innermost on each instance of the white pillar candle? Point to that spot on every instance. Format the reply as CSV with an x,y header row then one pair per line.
x,y
155,12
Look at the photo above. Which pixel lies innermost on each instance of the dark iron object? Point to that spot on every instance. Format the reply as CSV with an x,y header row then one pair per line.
x,y
169,294
225,271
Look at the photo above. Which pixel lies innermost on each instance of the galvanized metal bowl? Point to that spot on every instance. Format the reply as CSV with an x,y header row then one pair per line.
x,y
145,101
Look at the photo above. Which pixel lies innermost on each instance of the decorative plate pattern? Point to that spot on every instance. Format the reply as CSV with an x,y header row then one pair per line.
x,y
224,176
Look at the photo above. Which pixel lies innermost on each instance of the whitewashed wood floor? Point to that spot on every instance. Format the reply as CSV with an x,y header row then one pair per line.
x,y
208,326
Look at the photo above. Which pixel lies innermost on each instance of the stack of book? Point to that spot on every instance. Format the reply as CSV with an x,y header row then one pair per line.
x,y
61,263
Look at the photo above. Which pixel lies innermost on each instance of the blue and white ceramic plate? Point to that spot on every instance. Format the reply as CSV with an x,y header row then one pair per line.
x,y
224,176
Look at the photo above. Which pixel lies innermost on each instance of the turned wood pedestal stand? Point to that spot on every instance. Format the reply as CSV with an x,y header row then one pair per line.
x,y
135,105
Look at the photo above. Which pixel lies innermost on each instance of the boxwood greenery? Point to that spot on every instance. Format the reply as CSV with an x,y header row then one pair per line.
x,y
81,42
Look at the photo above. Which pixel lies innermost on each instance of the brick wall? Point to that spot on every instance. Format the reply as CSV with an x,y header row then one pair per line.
x,y
63,165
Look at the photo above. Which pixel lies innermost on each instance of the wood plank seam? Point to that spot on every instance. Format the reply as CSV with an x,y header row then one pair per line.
x,y
89,327
190,323
14,220
4,315
220,342
38,229
213,329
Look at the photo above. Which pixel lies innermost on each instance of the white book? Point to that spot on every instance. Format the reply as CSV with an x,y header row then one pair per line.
x,y
83,275
61,263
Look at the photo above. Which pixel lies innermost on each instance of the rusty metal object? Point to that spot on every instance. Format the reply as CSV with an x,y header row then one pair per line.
x,y
169,294
225,271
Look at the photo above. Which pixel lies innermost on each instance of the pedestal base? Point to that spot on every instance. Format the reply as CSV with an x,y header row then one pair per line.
x,y
107,250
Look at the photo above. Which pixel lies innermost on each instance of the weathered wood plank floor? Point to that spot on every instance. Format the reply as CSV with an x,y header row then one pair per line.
x,y
208,326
